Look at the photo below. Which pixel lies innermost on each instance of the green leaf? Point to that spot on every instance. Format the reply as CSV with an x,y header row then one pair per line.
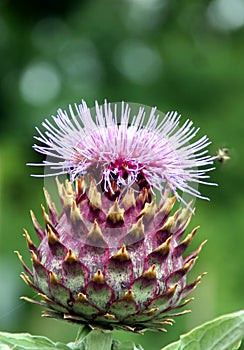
x,y
117,345
24,341
237,346
222,333
79,343
100,340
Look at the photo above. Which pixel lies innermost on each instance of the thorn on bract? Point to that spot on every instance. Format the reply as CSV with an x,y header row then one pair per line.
x,y
98,277
122,254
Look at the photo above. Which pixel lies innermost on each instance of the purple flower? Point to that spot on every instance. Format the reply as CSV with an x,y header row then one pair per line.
x,y
125,150
114,258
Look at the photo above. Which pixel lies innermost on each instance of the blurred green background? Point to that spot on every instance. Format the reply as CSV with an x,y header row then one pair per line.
x,y
177,55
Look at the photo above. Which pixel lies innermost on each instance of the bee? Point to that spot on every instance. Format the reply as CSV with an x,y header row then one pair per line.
x,y
223,155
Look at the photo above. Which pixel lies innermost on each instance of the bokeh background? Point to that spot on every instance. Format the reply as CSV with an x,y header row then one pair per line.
x,y
177,55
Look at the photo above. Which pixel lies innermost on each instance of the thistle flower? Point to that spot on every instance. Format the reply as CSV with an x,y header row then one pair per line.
x,y
110,265
125,149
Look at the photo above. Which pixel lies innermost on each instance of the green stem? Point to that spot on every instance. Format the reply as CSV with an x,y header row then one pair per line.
x,y
98,339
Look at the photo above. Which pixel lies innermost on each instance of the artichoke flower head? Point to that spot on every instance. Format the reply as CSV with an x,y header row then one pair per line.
x,y
114,257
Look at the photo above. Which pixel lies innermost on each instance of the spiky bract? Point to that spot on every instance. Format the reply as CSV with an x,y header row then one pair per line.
x,y
113,263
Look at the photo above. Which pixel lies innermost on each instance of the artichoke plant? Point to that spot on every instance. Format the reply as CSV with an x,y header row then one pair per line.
x,y
114,258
